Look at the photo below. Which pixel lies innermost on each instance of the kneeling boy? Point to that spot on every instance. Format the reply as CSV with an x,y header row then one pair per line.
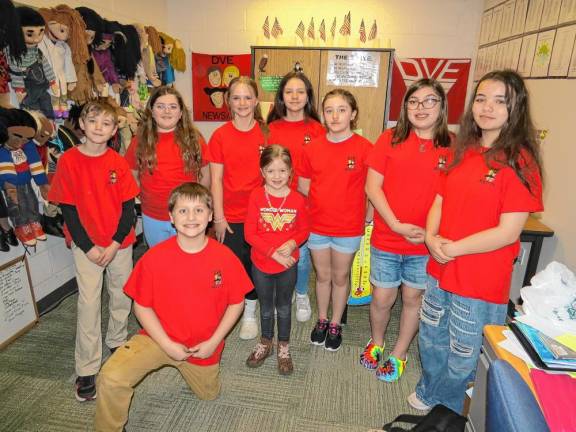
x,y
188,293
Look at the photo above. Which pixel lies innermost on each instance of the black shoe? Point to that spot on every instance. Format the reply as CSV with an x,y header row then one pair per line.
x,y
11,237
318,335
51,226
4,247
86,388
334,337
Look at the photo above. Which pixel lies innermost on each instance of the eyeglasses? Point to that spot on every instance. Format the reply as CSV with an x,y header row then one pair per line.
x,y
428,103
166,107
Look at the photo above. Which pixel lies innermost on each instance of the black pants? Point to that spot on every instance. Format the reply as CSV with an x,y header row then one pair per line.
x,y
26,210
275,291
241,249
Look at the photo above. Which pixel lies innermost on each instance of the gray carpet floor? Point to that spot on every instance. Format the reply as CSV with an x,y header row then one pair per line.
x,y
327,392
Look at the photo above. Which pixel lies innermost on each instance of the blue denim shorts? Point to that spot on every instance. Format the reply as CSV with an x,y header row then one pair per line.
x,y
348,245
389,270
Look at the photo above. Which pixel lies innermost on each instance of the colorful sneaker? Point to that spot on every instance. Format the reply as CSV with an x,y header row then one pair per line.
x,y
333,338
86,388
391,370
261,352
371,356
318,335
25,235
38,231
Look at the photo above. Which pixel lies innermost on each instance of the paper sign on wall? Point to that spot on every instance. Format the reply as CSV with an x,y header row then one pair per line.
x,y
353,68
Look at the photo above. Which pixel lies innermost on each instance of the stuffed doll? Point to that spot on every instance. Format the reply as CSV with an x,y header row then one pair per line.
x,y
91,82
63,45
178,57
32,76
150,76
19,165
7,235
163,66
103,57
125,50
11,40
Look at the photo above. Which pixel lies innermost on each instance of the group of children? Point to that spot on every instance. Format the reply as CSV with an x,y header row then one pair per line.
x,y
283,189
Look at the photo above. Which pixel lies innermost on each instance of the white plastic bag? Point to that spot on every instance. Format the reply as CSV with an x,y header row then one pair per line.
x,y
552,295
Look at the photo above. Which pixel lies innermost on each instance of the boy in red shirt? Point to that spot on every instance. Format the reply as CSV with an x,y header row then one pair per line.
x,y
96,191
188,293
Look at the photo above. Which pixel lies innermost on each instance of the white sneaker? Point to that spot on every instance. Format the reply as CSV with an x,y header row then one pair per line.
x,y
303,309
249,325
417,404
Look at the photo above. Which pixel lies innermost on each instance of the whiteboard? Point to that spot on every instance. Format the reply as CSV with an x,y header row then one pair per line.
x,y
17,305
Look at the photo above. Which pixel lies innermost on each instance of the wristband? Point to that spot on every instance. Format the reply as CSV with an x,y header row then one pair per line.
x,y
222,219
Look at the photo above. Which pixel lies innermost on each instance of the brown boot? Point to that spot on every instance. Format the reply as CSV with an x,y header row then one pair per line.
x,y
285,365
261,351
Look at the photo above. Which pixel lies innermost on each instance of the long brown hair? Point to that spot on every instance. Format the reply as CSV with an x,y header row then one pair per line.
x,y
518,134
186,136
257,111
403,127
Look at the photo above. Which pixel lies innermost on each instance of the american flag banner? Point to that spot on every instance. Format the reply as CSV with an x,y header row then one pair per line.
x,y
333,28
276,29
300,31
362,31
345,29
373,31
311,33
266,28
322,30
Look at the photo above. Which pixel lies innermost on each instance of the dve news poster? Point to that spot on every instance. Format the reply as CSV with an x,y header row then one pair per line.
x,y
211,75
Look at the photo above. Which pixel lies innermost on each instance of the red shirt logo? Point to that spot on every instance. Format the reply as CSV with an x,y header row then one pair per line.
x,y
490,176
217,283
351,163
112,177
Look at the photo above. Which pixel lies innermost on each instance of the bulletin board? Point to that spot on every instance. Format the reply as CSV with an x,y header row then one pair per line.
x,y
18,311
365,72
536,38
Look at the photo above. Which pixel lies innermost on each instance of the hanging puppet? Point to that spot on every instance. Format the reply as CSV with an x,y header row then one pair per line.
x,y
150,76
64,46
32,76
91,83
103,54
163,65
7,235
19,165
11,40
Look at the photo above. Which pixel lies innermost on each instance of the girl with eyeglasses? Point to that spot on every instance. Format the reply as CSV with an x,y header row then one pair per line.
x,y
403,169
166,152
472,232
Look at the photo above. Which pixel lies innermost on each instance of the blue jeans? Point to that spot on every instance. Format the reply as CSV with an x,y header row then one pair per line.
x,y
389,270
304,267
156,231
449,340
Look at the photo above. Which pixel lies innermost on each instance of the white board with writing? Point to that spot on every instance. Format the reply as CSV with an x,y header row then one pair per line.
x,y
353,69
17,305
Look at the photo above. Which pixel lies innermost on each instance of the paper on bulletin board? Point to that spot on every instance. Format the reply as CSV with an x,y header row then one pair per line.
x,y
572,67
543,53
527,54
568,11
519,17
563,45
353,68
550,13
534,15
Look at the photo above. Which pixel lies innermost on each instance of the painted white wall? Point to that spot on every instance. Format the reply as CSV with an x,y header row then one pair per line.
x,y
415,28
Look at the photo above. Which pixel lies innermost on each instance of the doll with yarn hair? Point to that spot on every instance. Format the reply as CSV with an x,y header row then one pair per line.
x,y
91,82
32,75
11,40
163,65
150,76
19,165
64,44
102,53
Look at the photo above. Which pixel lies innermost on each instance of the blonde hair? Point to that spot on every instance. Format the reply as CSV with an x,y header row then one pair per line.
x,y
97,107
247,81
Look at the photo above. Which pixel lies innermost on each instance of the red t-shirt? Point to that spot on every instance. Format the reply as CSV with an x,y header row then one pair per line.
x,y
189,292
270,224
168,174
473,198
97,186
410,171
239,153
337,173
294,136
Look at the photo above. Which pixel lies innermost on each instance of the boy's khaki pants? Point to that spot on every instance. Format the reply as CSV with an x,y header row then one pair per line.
x,y
129,365
89,276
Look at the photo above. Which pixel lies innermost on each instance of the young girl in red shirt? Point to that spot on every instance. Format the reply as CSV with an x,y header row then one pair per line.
x,y
404,167
234,155
472,232
293,123
166,152
276,224
332,175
